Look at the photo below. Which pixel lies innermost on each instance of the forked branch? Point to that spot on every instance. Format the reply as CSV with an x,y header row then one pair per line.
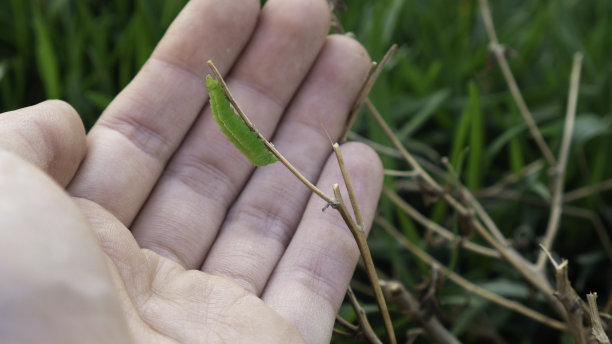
x,y
356,228
569,299
362,244
467,285
406,303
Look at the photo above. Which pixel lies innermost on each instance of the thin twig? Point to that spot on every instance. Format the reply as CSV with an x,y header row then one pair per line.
x,y
365,89
469,198
559,172
430,181
498,51
342,333
363,321
405,302
349,186
469,286
392,152
346,324
364,324
443,232
597,327
397,173
405,154
488,20
267,143
568,210
362,244
587,191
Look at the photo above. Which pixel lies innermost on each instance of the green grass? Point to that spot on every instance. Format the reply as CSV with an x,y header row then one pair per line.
x,y
442,93
82,53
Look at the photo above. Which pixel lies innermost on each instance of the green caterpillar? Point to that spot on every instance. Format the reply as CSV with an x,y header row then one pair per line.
x,y
234,127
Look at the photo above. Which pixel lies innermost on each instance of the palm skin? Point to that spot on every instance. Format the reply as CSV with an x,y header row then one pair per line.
x,y
153,228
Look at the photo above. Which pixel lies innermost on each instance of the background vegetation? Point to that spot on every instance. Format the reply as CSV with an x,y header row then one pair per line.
x,y
443,95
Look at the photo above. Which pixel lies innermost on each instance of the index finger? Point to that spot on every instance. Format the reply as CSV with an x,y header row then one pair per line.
x,y
139,131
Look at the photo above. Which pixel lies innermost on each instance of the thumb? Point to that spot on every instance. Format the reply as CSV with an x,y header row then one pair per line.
x,y
50,135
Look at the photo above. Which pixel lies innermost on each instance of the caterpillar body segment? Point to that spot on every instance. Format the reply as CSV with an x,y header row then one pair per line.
x,y
234,128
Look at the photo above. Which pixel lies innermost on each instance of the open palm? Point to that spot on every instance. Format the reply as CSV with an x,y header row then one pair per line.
x,y
191,243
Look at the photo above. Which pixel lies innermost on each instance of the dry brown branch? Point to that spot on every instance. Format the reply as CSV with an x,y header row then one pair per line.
x,y
499,52
397,173
411,308
535,277
597,328
443,232
342,333
336,203
587,191
346,324
362,244
467,196
365,251
568,210
365,90
560,167
488,21
569,299
349,186
405,154
364,325
467,285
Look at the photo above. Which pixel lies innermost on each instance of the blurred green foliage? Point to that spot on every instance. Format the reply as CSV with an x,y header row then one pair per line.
x,y
442,93
78,51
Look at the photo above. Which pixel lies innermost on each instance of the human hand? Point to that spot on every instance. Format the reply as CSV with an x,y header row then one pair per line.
x,y
196,245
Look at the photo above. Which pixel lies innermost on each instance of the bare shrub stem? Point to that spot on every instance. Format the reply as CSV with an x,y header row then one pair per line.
x,y
499,52
597,327
467,285
406,303
366,329
365,90
559,169
362,244
443,232
337,203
